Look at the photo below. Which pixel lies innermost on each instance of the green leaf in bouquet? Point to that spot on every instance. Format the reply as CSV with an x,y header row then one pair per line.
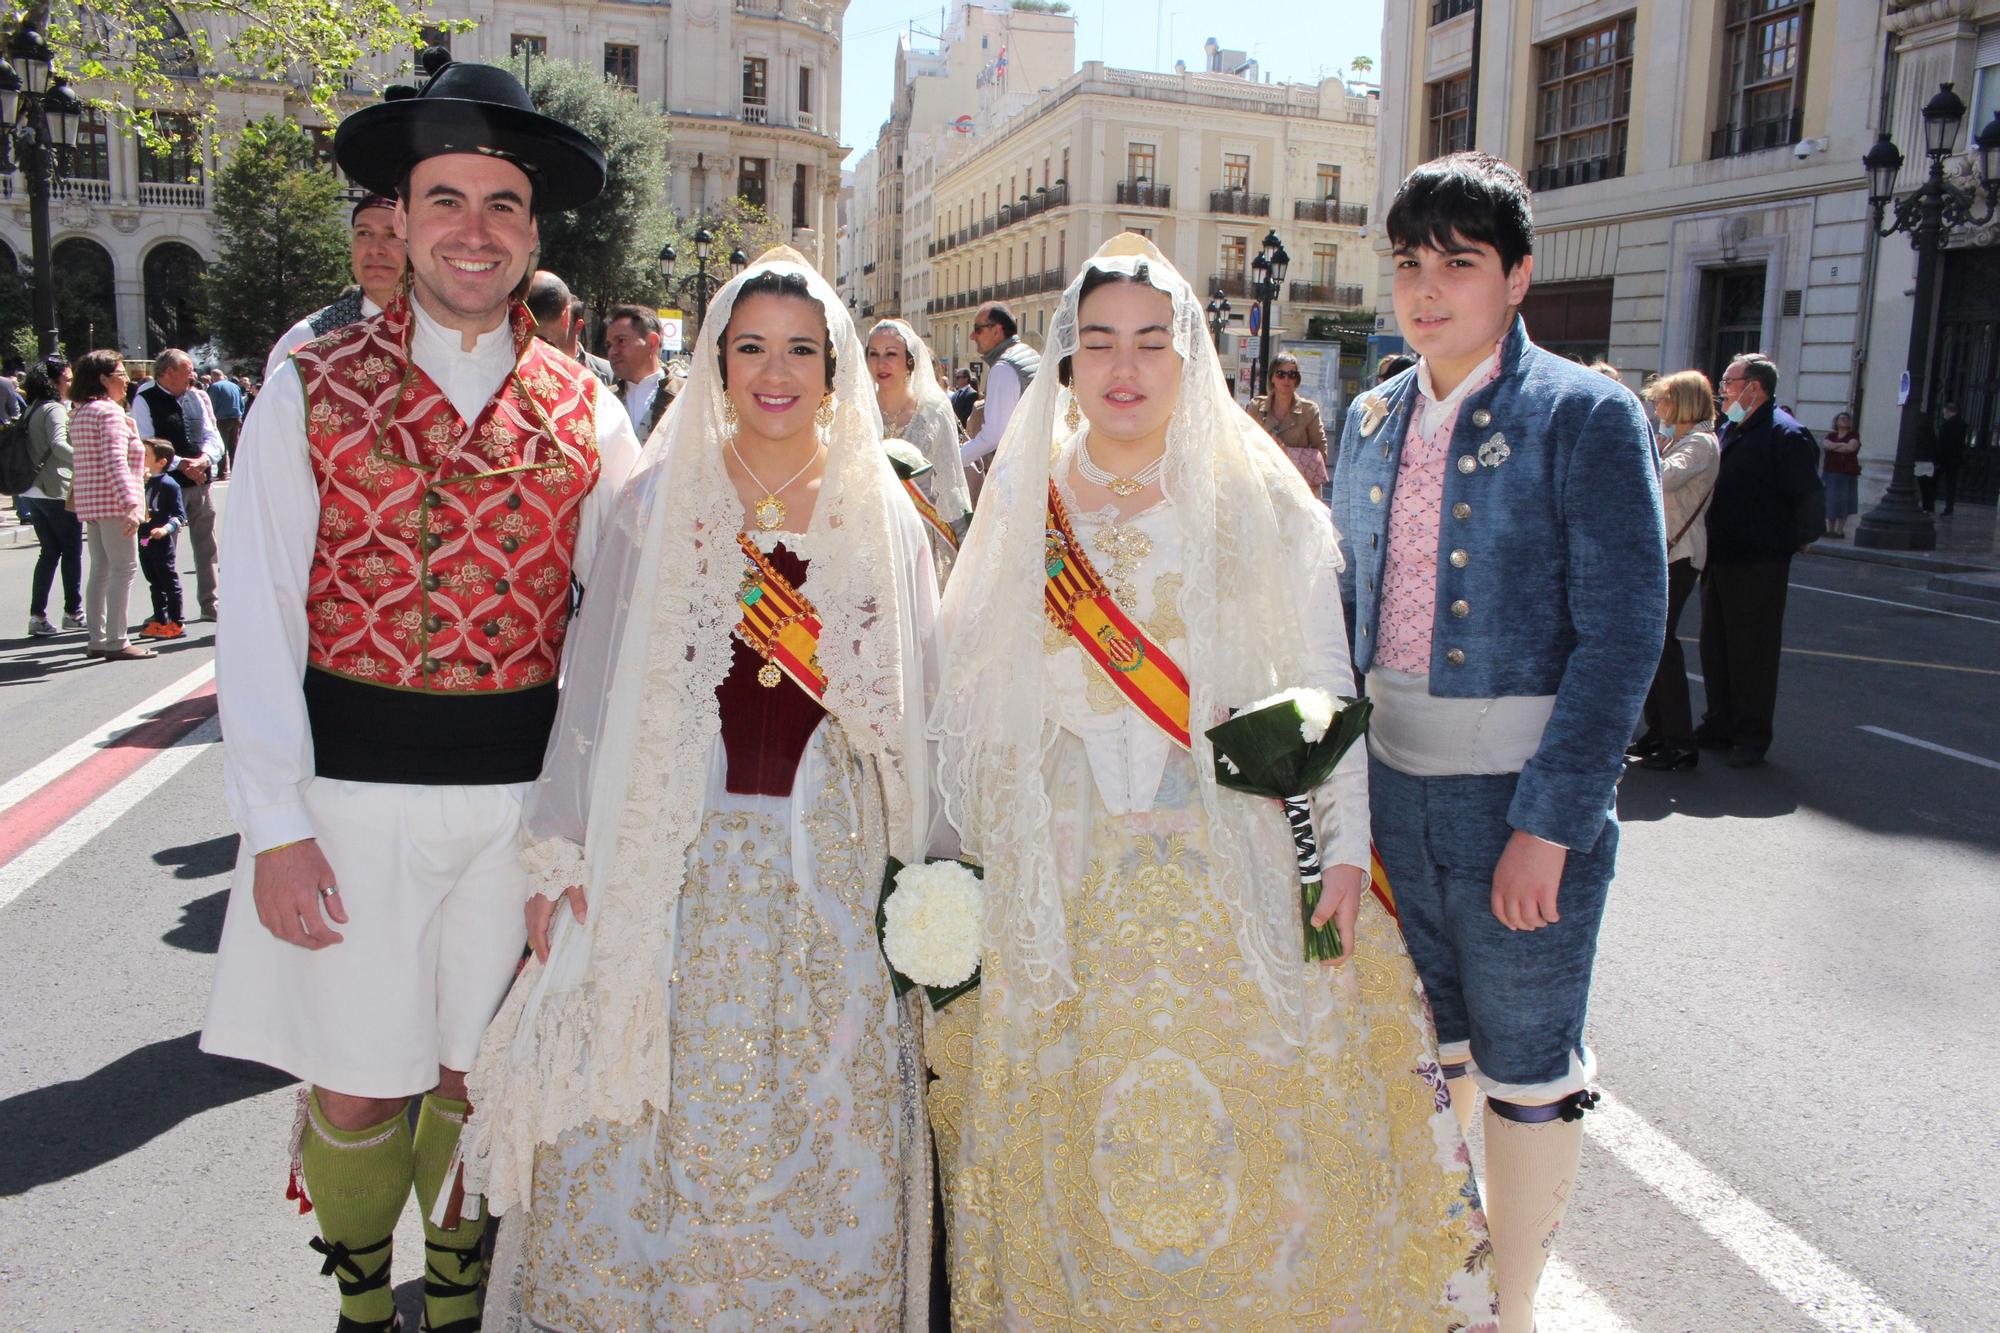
x,y
1271,756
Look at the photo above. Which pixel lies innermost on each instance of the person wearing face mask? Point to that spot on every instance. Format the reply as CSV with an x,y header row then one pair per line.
x,y
1684,404
1768,505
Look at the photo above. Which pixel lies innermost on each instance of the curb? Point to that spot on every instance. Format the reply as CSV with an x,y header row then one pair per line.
x,y
1986,587
1933,564
16,534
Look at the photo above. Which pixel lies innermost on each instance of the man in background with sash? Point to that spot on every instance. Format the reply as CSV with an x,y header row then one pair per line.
x,y
419,492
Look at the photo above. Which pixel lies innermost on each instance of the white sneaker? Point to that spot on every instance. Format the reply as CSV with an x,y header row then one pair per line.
x,y
40,628
72,622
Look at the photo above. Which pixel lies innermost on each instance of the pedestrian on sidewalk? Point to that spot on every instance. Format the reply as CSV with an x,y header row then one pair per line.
x,y
109,496
159,547
388,676
174,408
1840,473
1949,454
1689,454
1768,506
227,400
44,506
1501,510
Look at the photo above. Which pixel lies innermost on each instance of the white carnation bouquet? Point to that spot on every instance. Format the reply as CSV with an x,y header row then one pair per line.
x,y
1283,747
929,919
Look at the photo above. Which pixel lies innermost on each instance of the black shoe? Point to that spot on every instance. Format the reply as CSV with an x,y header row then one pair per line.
x,y
1710,740
1645,745
1744,756
1671,758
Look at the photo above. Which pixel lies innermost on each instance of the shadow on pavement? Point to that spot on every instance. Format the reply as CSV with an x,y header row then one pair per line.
x,y
1711,791
66,1129
200,930
200,860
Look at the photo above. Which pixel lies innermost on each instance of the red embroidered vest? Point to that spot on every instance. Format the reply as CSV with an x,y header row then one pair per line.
x,y
442,562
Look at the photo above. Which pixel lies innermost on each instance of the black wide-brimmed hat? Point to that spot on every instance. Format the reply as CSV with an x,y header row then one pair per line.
x,y
465,108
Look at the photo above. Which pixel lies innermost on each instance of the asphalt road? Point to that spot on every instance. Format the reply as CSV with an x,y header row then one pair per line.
x,y
1796,973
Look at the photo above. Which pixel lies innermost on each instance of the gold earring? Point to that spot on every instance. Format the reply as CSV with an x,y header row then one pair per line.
x,y
728,415
823,417
1073,416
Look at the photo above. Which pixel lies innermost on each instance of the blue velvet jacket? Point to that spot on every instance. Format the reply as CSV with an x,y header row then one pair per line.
x,y
1551,564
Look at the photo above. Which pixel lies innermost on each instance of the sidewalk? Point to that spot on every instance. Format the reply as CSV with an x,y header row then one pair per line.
x,y
1966,562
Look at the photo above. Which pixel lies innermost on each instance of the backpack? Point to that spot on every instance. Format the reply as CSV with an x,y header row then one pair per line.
x,y
20,462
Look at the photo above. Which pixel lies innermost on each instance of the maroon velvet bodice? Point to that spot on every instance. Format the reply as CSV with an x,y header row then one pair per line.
x,y
765,730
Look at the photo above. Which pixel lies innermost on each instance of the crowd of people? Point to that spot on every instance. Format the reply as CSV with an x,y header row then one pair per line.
x,y
661,671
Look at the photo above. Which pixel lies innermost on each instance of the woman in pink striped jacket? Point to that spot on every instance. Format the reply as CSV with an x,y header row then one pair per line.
x,y
108,492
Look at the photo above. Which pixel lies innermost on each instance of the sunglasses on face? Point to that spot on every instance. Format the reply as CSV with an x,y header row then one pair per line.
x,y
1284,374
977,327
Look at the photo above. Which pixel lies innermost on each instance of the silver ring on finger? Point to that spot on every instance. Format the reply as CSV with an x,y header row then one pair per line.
x,y
328,890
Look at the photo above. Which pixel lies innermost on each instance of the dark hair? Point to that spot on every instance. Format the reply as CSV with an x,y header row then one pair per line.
x,y
1393,365
39,384
998,315
160,449
962,373
1756,366
1464,197
1093,278
90,371
548,297
648,320
770,283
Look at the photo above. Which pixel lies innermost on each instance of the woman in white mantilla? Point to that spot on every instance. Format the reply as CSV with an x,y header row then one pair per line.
x,y
917,410
1154,1113
705,1108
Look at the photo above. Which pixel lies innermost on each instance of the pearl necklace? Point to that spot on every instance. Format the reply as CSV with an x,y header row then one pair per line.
x,y
770,510
1121,487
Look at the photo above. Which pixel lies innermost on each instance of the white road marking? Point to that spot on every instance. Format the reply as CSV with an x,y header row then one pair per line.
x,y
1932,746
16,790
1907,606
27,869
1815,1285
1566,1304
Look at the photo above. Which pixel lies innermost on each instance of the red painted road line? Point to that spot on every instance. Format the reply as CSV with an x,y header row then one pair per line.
x,y
28,821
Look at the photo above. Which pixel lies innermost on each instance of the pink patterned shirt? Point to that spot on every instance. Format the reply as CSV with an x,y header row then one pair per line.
x,y
1409,573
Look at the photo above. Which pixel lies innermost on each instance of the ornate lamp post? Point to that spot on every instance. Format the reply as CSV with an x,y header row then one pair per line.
x,y
701,281
1218,317
1267,271
39,125
1929,214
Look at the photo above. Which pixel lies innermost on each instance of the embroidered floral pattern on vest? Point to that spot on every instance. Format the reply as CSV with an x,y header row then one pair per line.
x,y
442,560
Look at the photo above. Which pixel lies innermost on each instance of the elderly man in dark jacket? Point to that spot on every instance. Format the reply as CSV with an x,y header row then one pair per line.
x,y
1768,504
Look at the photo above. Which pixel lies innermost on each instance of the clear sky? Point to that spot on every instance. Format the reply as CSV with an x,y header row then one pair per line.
x,y
1293,42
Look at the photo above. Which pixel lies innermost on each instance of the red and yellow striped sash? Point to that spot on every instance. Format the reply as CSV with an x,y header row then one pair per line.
x,y
929,512
779,624
1078,603
1378,883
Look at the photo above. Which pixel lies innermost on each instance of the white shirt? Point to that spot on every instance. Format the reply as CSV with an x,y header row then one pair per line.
x,y
197,417
271,523
1003,394
302,333
639,397
1435,412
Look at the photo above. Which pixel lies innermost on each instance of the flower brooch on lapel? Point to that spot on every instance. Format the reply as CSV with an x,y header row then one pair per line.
x,y
1374,410
1495,451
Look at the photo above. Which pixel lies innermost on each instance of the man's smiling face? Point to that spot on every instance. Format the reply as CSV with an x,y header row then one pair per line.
x,y
471,236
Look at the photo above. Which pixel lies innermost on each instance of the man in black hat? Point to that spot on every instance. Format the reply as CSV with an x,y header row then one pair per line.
x,y
375,257
420,491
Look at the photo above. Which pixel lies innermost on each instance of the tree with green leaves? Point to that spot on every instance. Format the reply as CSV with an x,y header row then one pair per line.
x,y
282,222
1362,65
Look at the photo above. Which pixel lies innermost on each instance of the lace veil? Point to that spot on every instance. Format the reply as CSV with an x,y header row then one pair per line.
x,y
1243,511
622,788
934,428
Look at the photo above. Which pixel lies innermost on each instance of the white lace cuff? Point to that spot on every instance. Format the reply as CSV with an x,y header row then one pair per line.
x,y
553,864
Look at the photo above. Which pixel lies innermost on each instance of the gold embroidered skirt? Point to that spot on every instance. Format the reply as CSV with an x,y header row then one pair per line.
x,y
778,1186
1153,1155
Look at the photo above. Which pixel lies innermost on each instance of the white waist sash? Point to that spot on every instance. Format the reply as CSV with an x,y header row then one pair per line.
x,y
1415,732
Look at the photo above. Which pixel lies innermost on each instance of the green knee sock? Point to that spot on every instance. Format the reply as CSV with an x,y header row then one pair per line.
x,y
358,1180
452,1267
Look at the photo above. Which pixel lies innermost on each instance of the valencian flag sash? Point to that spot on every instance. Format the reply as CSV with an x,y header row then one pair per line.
x,y
1081,606
779,624
907,473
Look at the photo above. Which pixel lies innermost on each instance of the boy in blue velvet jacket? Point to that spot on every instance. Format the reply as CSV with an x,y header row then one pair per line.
x,y
1507,567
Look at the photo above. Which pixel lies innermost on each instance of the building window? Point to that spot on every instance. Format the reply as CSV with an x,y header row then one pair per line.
x,y
1236,172
1985,79
430,35
752,180
1763,76
1065,170
1583,101
523,41
1449,9
621,64
1326,265
1235,257
1141,163
1450,103
178,160
90,160
1571,318
756,97
806,89
799,219
1329,183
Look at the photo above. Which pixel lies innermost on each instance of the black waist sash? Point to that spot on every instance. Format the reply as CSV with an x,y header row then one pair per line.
x,y
369,733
